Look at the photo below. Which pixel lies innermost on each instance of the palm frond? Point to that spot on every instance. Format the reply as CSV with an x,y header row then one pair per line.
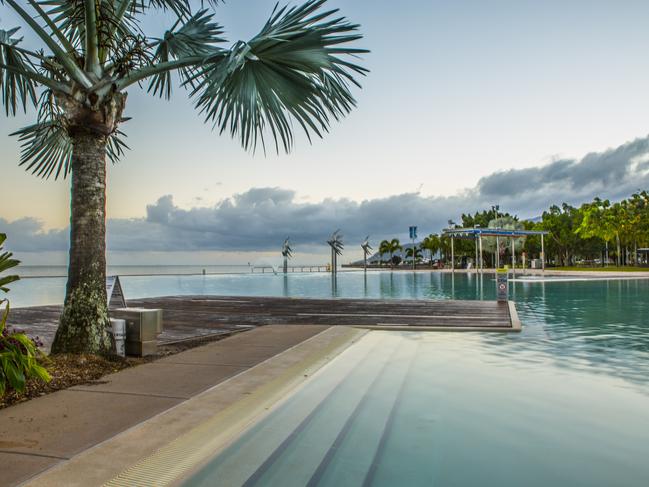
x,y
182,8
116,146
296,68
196,37
114,27
46,147
17,88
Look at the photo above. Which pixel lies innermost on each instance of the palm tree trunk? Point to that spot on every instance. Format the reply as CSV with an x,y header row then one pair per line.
x,y
84,321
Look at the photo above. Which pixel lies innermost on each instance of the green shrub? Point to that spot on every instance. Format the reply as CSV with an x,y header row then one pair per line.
x,y
18,353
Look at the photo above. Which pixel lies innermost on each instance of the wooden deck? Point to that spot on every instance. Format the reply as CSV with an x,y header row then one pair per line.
x,y
190,317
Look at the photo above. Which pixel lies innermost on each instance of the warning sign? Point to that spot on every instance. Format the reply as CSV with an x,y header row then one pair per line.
x,y
502,285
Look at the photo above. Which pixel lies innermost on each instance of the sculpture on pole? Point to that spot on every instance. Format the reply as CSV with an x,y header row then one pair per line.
x,y
287,253
366,250
336,244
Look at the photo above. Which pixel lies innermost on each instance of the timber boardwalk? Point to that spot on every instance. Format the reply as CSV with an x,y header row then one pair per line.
x,y
189,317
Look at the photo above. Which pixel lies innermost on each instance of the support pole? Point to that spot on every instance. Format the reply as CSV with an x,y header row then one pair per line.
x,y
513,257
542,254
476,253
497,252
414,252
481,257
452,254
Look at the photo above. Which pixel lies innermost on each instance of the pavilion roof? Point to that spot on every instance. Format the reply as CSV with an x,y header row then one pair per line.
x,y
490,232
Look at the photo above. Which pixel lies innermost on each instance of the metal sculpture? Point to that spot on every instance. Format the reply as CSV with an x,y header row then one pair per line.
x,y
337,246
287,253
367,248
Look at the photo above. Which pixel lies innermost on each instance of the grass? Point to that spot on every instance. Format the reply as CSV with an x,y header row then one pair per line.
x,y
601,269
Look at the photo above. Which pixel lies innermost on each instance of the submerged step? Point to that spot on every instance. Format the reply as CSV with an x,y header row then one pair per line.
x,y
241,460
296,460
351,458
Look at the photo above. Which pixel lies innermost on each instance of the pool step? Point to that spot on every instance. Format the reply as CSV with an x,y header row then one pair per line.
x,y
294,462
239,463
357,449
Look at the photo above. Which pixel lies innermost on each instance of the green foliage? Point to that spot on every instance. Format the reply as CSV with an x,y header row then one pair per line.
x,y
18,357
292,68
432,243
299,68
6,263
575,234
507,222
390,247
18,353
416,251
18,90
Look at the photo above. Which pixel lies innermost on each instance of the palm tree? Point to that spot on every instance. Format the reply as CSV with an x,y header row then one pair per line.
x,y
413,253
94,51
431,243
390,247
384,248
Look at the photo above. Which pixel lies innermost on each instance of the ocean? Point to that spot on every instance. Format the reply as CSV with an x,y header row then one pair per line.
x,y
27,271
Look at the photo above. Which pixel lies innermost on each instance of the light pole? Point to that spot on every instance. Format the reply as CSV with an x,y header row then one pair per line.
x,y
451,225
413,237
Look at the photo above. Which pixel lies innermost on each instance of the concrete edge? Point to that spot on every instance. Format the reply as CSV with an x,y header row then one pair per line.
x,y
513,317
501,329
516,325
230,421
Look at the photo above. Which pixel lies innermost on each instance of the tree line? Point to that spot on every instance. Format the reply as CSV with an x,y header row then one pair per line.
x,y
596,233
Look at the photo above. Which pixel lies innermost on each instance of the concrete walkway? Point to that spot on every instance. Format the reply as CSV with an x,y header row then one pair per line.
x,y
46,431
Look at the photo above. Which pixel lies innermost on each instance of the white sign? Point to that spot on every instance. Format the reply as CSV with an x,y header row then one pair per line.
x,y
114,292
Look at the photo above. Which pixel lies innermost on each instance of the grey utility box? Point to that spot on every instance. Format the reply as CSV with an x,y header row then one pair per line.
x,y
142,329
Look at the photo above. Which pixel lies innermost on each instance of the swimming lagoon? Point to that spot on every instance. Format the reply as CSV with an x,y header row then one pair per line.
x,y
564,402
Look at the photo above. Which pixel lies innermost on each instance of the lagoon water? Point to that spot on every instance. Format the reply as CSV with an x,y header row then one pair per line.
x,y
564,402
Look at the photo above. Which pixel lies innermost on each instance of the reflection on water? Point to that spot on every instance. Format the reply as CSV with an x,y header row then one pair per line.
x,y
423,409
600,326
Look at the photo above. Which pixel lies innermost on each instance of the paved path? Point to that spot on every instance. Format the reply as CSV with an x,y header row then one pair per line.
x,y
40,433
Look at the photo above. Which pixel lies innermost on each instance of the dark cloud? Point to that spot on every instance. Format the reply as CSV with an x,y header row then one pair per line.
x,y
27,234
260,218
596,173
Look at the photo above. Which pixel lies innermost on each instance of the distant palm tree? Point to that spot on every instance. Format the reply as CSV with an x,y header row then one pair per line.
x,y
383,249
413,253
295,69
390,247
431,243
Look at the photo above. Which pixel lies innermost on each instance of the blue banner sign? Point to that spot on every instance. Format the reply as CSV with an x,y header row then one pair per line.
x,y
413,233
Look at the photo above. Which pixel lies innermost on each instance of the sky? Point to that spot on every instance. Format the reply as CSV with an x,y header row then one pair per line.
x,y
467,104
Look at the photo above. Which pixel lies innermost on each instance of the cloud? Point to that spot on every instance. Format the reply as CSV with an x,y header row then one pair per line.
x,y
28,235
261,218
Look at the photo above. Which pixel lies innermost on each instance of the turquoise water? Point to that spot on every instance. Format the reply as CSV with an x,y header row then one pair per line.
x,y
563,403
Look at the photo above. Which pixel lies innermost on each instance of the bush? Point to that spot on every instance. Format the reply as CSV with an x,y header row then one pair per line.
x,y
18,358
18,353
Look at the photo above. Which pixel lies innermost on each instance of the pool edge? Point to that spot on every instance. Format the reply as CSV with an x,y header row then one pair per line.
x,y
107,462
